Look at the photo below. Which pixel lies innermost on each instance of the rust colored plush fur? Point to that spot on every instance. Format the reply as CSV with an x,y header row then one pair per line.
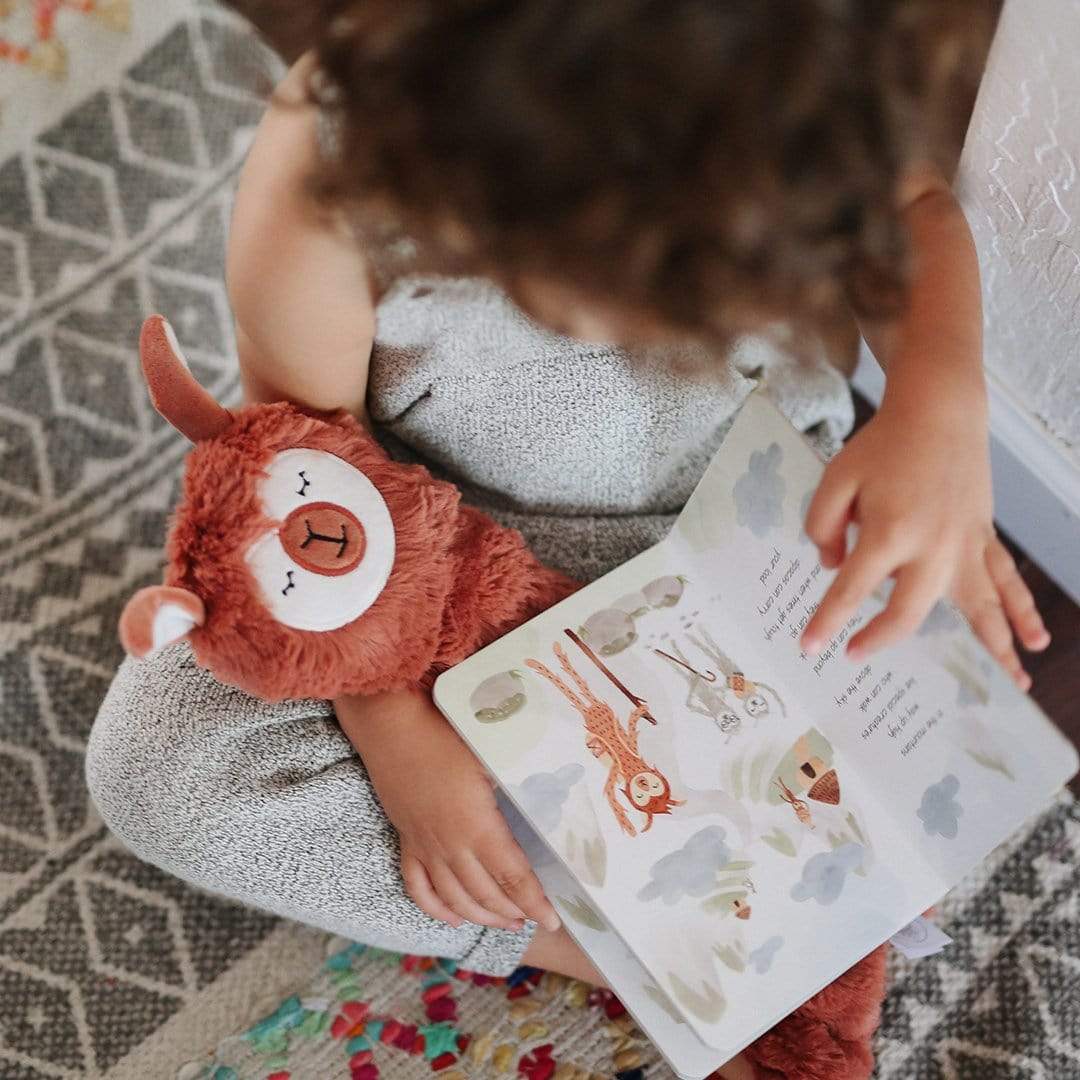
x,y
830,1037
458,581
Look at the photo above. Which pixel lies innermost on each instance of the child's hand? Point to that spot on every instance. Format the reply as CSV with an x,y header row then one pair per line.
x,y
918,487
459,859
998,604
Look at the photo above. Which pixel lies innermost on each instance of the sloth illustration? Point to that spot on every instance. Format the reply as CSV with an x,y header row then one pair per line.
x,y
644,786
802,811
703,696
750,693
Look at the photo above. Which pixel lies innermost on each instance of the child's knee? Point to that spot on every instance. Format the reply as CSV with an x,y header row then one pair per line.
x,y
136,754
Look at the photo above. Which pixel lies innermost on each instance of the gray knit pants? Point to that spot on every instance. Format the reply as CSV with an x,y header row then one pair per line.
x,y
270,805
266,804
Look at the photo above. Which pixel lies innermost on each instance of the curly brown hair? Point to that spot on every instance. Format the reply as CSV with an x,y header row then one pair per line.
x,y
708,164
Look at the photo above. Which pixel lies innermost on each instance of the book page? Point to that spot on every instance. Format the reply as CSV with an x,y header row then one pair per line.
x,y
647,1003
672,799
748,821
948,747
610,748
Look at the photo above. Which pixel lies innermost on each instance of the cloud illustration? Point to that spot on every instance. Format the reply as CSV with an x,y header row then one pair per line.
x,y
543,795
940,810
690,871
536,850
762,957
824,874
759,492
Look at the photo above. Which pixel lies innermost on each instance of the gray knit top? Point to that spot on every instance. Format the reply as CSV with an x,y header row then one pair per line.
x,y
589,449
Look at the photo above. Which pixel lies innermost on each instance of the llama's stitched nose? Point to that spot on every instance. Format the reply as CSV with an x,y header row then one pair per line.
x,y
323,537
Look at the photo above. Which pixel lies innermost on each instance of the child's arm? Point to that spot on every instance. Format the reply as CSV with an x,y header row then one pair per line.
x,y
458,857
305,318
916,478
305,326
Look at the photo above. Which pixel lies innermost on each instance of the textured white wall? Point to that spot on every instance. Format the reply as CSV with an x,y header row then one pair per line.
x,y
1020,188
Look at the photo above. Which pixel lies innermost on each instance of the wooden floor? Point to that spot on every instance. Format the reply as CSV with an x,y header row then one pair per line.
x,y
1056,672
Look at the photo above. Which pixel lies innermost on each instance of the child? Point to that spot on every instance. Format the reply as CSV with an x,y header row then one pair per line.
x,y
675,175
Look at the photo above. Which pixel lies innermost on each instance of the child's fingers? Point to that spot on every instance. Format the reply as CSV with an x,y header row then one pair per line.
x,y
918,586
1016,598
511,871
485,890
828,516
991,626
867,566
418,886
454,895
977,596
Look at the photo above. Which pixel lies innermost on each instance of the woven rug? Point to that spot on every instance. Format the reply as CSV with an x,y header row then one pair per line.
x,y
1001,1003
116,172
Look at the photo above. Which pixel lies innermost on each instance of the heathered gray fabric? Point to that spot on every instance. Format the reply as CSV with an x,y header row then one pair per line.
x,y
589,451
266,804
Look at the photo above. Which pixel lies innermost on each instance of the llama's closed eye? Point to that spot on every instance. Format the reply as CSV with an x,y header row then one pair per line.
x,y
330,548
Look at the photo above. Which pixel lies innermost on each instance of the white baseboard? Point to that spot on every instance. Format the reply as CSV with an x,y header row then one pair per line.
x,y
1036,486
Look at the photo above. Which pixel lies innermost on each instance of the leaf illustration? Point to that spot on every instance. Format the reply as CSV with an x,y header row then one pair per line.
x,y
992,763
779,840
596,860
659,998
707,1005
720,904
736,784
581,912
853,825
960,666
730,957
757,767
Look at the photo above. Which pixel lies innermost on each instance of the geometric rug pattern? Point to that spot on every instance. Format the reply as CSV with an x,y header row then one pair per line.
x,y
1002,1002
118,209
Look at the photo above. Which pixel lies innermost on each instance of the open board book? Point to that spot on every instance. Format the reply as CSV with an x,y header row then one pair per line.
x,y
724,823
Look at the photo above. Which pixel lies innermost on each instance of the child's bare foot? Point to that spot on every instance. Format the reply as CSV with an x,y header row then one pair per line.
x,y
738,1068
556,951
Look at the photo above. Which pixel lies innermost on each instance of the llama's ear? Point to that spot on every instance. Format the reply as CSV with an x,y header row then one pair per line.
x,y
173,389
159,616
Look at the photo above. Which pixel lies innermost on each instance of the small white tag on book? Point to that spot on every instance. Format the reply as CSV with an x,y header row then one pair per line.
x,y
920,938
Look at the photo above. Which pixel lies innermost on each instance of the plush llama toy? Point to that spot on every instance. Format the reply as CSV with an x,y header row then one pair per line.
x,y
304,562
